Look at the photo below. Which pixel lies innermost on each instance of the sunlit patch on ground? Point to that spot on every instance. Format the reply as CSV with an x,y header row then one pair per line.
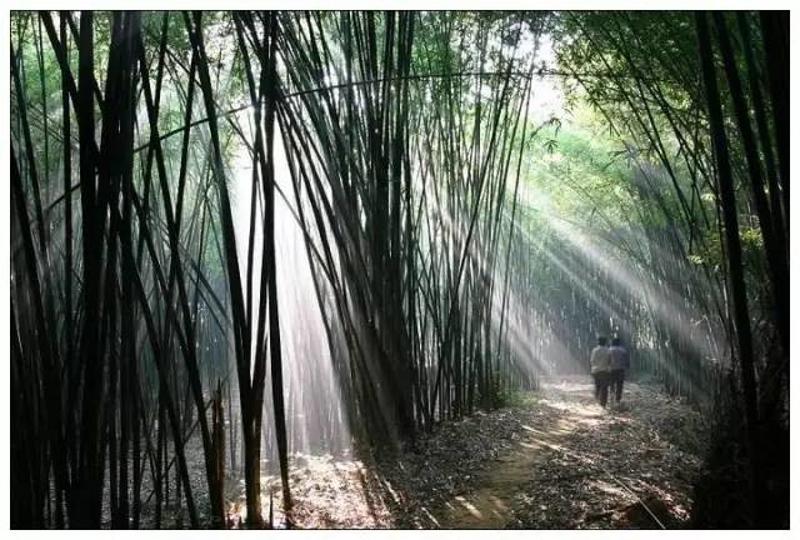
x,y
327,493
631,467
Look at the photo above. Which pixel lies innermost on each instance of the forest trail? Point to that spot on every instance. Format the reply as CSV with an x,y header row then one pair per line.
x,y
610,468
552,459
489,507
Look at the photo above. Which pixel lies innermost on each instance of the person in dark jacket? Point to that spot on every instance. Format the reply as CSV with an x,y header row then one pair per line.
x,y
598,364
618,365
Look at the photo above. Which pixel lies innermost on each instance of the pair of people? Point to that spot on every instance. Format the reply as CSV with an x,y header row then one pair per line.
x,y
608,366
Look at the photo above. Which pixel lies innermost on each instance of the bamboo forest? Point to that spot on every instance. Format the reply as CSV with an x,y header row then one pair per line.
x,y
399,270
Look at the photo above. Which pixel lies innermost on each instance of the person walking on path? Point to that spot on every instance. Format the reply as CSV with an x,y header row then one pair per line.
x,y
599,362
618,364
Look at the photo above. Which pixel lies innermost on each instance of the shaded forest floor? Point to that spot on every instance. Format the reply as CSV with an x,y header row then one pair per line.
x,y
555,459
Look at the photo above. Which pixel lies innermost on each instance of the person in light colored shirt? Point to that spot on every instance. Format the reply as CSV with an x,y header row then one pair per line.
x,y
619,364
599,363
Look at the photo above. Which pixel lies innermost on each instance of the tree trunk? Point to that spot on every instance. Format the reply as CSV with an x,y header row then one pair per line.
x,y
730,220
775,32
773,243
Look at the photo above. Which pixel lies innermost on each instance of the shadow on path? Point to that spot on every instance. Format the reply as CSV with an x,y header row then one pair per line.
x,y
556,459
580,466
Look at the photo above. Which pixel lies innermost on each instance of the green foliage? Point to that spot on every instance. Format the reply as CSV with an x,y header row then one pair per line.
x,y
498,395
576,167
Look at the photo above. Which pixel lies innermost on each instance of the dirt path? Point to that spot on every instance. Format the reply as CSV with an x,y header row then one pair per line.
x,y
598,461
489,507
552,460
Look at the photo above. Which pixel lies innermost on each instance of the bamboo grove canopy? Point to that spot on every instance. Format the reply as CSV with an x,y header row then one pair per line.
x,y
248,234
